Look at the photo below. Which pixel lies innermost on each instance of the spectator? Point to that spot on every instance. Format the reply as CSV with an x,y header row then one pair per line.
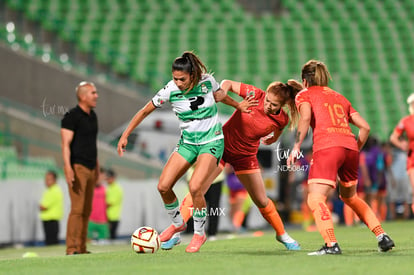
x,y
79,150
51,208
114,196
98,222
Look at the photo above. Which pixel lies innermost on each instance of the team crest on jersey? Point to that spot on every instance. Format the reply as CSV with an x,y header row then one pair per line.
x,y
204,88
250,93
160,101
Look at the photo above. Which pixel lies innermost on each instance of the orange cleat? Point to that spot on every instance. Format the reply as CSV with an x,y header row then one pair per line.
x,y
196,242
170,231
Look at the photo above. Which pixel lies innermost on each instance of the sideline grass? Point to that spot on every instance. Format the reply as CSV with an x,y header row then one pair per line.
x,y
249,255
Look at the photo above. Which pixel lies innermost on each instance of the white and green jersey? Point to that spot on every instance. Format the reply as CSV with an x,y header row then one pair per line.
x,y
196,110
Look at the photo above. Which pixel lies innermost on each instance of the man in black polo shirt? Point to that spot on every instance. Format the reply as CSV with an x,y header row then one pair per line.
x,y
79,132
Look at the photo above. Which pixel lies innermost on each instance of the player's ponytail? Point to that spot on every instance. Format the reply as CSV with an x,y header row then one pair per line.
x,y
294,87
410,100
190,63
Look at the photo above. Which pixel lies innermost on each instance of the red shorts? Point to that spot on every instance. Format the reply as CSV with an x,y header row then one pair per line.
x,y
329,163
241,164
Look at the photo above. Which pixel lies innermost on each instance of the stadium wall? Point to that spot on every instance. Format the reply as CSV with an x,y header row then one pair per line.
x,y
27,80
142,205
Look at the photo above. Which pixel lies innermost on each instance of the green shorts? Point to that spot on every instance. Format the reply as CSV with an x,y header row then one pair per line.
x,y
190,151
98,231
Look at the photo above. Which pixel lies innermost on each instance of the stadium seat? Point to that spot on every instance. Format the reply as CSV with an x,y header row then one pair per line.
x,y
359,41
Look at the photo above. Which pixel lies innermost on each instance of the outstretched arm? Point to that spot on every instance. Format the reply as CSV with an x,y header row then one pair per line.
x,y
135,121
234,87
305,112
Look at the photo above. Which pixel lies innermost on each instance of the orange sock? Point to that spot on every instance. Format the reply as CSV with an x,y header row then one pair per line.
x,y
186,208
365,213
348,215
271,216
322,216
238,218
383,211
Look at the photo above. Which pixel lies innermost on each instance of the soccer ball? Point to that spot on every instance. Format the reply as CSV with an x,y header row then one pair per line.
x,y
145,240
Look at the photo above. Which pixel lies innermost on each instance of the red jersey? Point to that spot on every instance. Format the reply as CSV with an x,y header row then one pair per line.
x,y
406,125
98,213
331,112
243,131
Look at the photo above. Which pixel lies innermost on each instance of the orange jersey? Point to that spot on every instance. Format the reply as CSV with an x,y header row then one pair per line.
x,y
406,125
243,131
331,113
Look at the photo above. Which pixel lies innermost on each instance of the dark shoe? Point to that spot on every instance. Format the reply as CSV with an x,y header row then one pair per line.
x,y
73,253
385,244
334,250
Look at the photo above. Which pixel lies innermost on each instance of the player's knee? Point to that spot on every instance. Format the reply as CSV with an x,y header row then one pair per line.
x,y
163,189
195,191
314,199
349,200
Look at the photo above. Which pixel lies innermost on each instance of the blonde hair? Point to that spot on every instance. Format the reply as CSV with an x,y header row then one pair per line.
x,y
316,73
410,100
287,93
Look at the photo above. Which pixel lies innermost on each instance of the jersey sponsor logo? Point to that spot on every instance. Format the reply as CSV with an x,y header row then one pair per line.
x,y
195,102
217,133
324,212
204,88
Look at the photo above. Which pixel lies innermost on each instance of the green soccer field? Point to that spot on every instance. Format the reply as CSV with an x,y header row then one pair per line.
x,y
241,255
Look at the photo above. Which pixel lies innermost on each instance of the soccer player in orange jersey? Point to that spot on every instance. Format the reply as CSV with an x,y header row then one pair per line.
x,y
335,154
406,125
243,133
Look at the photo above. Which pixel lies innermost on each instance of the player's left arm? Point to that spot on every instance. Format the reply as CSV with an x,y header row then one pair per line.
x,y
363,126
272,139
234,87
305,111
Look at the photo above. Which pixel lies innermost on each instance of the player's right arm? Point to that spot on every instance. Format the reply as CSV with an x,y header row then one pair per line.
x,y
66,140
135,121
395,137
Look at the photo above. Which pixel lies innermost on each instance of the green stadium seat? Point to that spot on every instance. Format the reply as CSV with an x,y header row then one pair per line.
x,y
360,41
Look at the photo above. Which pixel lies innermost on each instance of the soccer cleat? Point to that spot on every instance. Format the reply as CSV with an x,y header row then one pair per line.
x,y
170,231
196,242
333,250
171,243
289,246
385,244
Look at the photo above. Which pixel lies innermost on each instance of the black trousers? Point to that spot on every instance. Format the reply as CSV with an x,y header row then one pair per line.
x,y
51,229
113,225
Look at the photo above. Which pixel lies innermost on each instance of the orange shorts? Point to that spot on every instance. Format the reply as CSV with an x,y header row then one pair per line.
x,y
329,163
241,164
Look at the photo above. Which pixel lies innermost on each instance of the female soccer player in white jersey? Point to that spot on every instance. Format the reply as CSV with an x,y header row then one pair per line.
x,y
190,93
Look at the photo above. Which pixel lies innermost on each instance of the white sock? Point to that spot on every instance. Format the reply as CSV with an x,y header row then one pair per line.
x,y
199,218
285,238
173,210
380,236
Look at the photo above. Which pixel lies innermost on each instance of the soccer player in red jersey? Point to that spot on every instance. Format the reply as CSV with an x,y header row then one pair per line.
x,y
335,154
406,125
242,135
